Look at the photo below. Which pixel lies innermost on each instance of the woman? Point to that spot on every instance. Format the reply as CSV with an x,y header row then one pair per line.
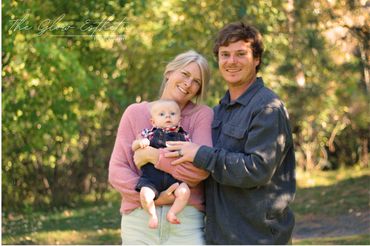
x,y
184,80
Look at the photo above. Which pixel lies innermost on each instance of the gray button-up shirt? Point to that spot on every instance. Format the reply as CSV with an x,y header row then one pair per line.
x,y
252,168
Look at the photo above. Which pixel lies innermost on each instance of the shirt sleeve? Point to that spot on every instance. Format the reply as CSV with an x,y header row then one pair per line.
x,y
145,133
200,134
123,174
266,145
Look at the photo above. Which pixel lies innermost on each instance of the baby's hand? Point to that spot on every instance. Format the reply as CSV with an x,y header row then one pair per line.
x,y
140,143
144,143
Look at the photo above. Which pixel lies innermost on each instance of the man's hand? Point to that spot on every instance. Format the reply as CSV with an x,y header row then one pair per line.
x,y
143,156
167,197
184,151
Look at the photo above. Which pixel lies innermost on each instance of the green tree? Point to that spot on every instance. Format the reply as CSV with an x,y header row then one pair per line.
x,y
65,89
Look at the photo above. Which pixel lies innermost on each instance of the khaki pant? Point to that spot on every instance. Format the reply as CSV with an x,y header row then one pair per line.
x,y
135,230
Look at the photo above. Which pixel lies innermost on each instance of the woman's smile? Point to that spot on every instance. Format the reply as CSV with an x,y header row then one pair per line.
x,y
182,90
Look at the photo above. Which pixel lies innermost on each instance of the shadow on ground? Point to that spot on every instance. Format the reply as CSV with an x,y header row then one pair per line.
x,y
333,211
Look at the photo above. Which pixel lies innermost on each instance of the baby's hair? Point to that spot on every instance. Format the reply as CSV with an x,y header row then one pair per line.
x,y
162,101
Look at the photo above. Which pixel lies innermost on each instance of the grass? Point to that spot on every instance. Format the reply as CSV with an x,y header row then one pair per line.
x,y
92,223
96,237
332,192
363,239
319,193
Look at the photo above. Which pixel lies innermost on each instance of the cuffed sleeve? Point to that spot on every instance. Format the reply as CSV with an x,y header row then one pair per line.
x,y
263,152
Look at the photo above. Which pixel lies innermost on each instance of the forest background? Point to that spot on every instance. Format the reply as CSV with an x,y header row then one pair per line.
x,y
70,68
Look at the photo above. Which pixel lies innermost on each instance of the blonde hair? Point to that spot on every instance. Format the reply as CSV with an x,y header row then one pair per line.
x,y
181,61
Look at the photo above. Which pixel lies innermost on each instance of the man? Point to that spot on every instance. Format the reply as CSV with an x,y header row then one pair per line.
x,y
252,163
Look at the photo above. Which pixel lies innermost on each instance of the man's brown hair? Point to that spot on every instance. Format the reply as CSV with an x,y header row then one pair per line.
x,y
237,31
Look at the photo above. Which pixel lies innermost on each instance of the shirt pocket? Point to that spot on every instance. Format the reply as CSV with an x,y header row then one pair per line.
x,y
215,123
234,136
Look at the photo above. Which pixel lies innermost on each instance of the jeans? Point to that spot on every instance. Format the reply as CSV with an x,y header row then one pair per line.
x,y
135,230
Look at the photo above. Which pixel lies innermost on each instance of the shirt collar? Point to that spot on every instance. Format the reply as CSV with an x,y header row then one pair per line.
x,y
246,96
188,109
169,129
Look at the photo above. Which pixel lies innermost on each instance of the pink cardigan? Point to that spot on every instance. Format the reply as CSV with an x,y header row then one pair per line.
x,y
123,173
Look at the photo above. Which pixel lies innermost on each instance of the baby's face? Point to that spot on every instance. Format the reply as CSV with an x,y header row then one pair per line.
x,y
165,114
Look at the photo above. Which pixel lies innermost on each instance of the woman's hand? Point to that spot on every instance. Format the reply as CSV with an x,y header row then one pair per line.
x,y
167,197
143,156
184,151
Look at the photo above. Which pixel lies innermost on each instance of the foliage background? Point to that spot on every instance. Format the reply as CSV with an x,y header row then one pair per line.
x,y
65,89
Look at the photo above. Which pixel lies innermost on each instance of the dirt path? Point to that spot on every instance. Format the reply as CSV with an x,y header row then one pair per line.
x,y
350,224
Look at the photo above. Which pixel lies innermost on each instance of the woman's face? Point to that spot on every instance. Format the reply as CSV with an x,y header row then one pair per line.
x,y
183,84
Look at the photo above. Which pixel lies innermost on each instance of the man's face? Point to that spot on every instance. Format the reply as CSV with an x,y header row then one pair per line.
x,y
237,64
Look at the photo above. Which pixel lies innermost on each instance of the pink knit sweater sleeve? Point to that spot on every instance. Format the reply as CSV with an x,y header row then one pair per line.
x,y
123,174
198,125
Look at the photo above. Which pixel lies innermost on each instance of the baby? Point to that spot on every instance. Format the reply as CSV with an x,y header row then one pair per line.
x,y
165,119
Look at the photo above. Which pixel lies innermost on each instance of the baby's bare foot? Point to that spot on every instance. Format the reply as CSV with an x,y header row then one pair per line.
x,y
153,222
171,217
